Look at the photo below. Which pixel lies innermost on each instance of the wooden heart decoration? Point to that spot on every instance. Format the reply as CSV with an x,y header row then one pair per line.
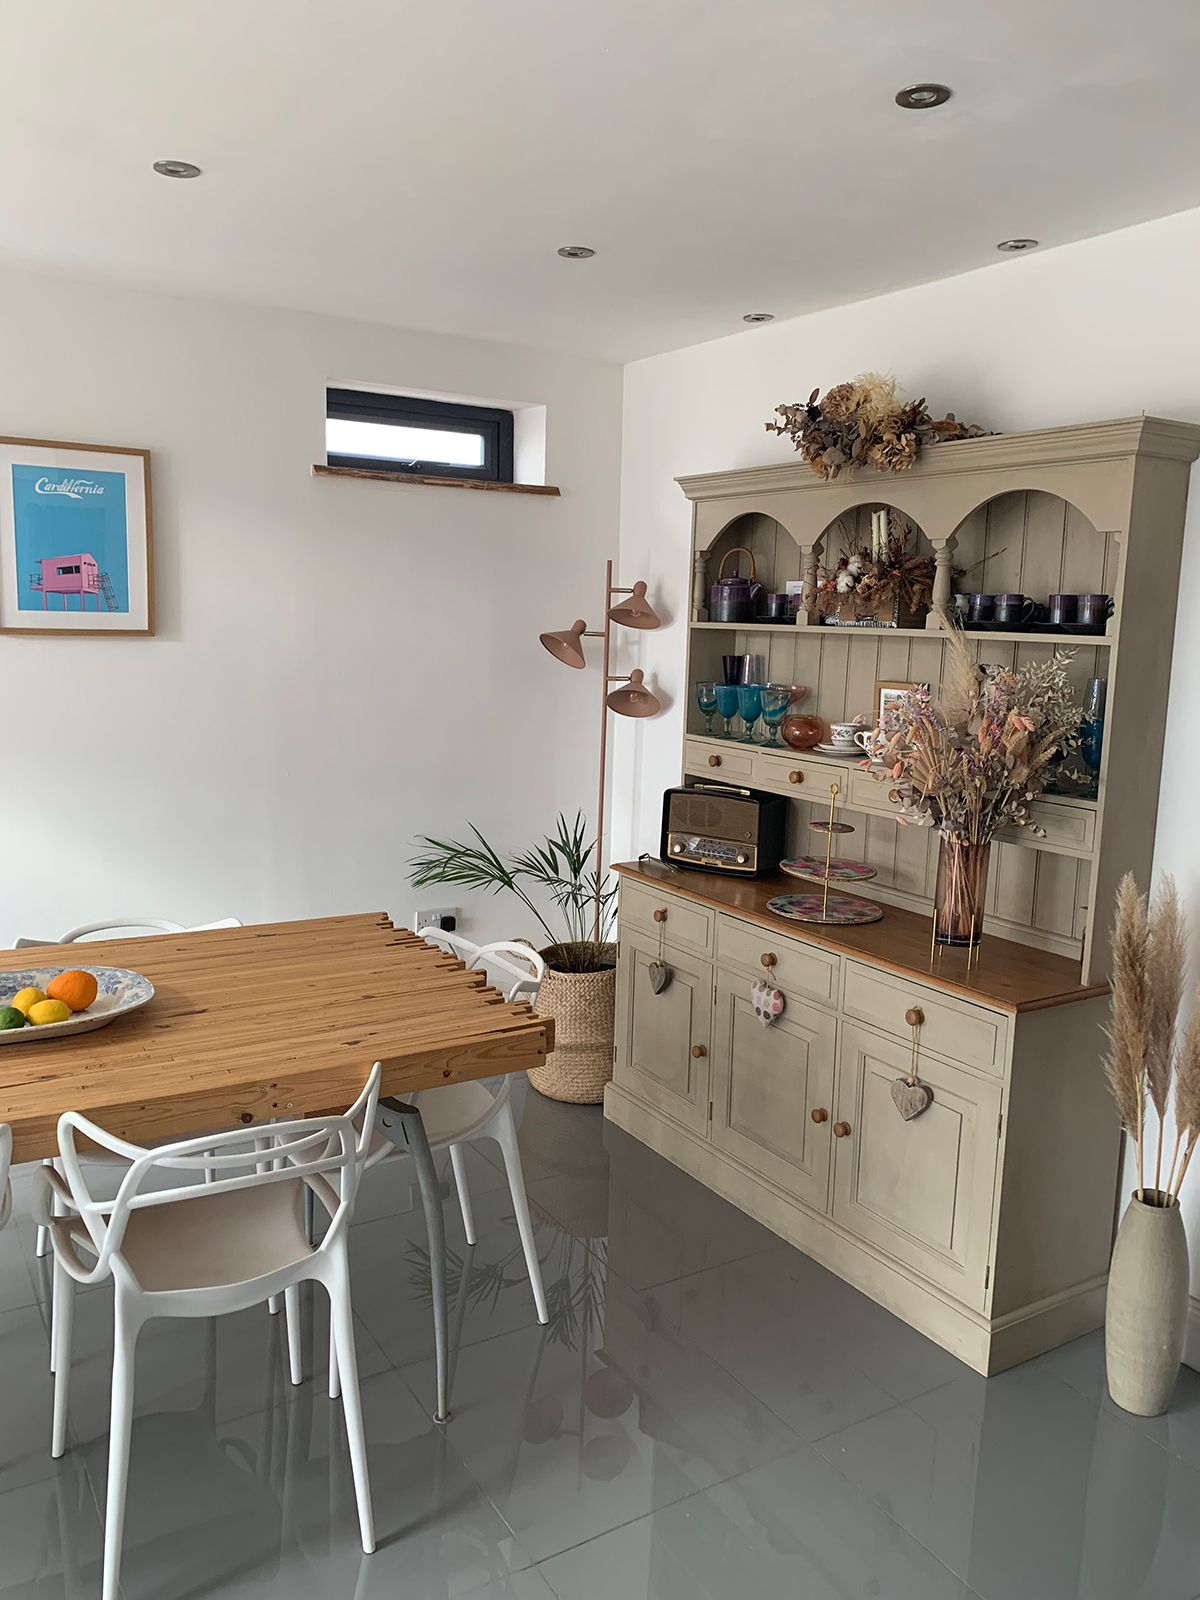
x,y
660,976
911,1098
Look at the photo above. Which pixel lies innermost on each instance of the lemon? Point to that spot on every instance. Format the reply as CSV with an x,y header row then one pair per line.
x,y
43,1011
27,998
10,1017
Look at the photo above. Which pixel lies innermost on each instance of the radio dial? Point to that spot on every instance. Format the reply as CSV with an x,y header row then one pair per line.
x,y
677,849
741,859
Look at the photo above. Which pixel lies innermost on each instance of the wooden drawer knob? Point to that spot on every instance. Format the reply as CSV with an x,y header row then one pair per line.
x,y
914,1016
699,1051
714,761
661,914
819,1114
841,1130
795,777
768,958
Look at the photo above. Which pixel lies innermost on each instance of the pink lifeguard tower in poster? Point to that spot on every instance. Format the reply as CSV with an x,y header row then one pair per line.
x,y
67,575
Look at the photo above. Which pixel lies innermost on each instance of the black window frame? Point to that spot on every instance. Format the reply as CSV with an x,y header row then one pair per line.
x,y
495,425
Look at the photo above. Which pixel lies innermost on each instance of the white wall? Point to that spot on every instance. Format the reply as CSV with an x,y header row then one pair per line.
x,y
339,666
1106,328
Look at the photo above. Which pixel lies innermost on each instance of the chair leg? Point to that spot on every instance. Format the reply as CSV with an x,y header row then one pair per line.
x,y
125,1332
458,1162
335,1376
62,1326
291,1300
43,1234
504,1132
343,1331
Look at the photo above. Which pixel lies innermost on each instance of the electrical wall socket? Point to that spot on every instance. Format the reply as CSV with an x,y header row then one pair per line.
x,y
432,917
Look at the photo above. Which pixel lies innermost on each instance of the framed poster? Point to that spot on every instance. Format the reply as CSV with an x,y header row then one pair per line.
x,y
76,550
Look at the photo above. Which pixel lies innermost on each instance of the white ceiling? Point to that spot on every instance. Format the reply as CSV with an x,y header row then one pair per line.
x,y
419,161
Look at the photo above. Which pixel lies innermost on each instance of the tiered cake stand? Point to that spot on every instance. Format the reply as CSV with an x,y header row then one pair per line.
x,y
820,905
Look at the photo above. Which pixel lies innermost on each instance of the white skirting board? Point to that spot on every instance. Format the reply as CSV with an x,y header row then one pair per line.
x,y
1191,1339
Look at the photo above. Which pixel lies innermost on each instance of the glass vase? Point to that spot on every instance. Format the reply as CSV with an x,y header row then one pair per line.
x,y
961,887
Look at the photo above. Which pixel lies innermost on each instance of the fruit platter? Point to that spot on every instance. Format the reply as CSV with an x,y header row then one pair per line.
x,y
51,1002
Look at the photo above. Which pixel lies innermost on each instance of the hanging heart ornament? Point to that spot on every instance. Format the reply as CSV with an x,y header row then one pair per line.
x,y
660,976
911,1098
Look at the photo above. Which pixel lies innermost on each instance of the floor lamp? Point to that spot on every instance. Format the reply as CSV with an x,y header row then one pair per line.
x,y
635,700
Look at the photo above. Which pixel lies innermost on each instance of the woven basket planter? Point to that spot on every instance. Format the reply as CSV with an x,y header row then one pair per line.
x,y
583,1005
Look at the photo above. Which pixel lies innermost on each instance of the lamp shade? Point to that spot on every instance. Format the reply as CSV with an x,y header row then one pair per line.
x,y
567,646
636,611
634,700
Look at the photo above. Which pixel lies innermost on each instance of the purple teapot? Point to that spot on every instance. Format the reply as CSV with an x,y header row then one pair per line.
x,y
732,599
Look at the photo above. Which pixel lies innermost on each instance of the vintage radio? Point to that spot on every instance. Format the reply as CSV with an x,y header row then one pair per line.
x,y
717,827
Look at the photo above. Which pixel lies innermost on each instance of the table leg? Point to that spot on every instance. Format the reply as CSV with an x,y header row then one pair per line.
x,y
401,1125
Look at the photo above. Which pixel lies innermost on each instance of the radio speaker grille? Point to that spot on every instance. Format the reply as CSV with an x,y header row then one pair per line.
x,y
716,816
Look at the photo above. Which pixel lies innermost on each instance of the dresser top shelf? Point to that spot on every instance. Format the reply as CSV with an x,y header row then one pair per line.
x,y
1011,977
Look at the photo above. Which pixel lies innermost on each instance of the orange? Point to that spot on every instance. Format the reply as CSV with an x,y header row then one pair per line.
x,y
77,989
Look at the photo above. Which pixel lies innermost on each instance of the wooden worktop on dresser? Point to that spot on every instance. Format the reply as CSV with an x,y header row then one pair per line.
x,y
1013,977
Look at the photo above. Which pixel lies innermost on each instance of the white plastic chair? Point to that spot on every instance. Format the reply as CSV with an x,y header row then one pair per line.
x,y
5,1184
153,925
183,1252
462,1113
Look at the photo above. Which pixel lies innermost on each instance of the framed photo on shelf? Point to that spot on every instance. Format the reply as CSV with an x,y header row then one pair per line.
x,y
76,541
887,694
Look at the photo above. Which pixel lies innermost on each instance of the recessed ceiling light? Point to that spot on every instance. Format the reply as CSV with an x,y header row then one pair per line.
x,y
1017,244
177,169
575,252
759,316
923,96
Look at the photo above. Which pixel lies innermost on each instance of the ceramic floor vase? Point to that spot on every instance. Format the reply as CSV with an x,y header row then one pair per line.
x,y
1146,1312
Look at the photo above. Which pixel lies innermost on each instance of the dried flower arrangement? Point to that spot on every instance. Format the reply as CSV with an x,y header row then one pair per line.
x,y
862,423
1145,1057
972,762
872,578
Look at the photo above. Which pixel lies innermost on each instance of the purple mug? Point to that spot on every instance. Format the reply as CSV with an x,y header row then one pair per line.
x,y
1093,610
1062,608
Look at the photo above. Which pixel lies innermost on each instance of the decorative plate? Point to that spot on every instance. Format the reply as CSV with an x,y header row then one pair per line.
x,y
120,992
843,909
839,871
844,750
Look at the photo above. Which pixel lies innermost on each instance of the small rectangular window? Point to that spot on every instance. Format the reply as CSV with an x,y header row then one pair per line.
x,y
429,438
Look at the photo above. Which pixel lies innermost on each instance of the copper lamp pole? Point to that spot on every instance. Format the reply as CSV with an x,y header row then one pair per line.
x,y
635,700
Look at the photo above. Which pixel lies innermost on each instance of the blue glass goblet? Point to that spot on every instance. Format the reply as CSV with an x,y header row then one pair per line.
x,y
775,700
727,704
706,698
749,708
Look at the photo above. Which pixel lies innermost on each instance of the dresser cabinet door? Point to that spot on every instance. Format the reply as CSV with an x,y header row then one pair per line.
x,y
663,1039
767,1082
922,1190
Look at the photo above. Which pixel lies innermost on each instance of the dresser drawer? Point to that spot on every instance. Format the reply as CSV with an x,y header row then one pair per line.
x,y
688,925
791,774
730,763
866,793
953,1028
798,968
1068,828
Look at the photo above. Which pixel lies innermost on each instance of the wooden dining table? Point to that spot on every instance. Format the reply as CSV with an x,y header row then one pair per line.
x,y
266,1023
276,1020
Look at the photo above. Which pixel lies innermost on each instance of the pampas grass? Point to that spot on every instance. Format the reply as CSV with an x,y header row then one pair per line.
x,y
1165,961
1125,1063
1145,1057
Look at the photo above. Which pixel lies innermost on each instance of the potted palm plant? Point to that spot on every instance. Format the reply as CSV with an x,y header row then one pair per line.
x,y
579,990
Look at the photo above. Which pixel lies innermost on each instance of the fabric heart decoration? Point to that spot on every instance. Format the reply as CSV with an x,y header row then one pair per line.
x,y
768,1002
660,976
911,1098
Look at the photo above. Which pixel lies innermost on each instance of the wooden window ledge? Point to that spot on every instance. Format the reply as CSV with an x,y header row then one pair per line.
x,y
437,483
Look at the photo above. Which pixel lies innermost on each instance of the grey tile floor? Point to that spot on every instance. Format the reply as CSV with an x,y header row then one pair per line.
x,y
709,1416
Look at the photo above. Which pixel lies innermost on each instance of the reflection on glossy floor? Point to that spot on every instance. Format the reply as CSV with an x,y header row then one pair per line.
x,y
707,1415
